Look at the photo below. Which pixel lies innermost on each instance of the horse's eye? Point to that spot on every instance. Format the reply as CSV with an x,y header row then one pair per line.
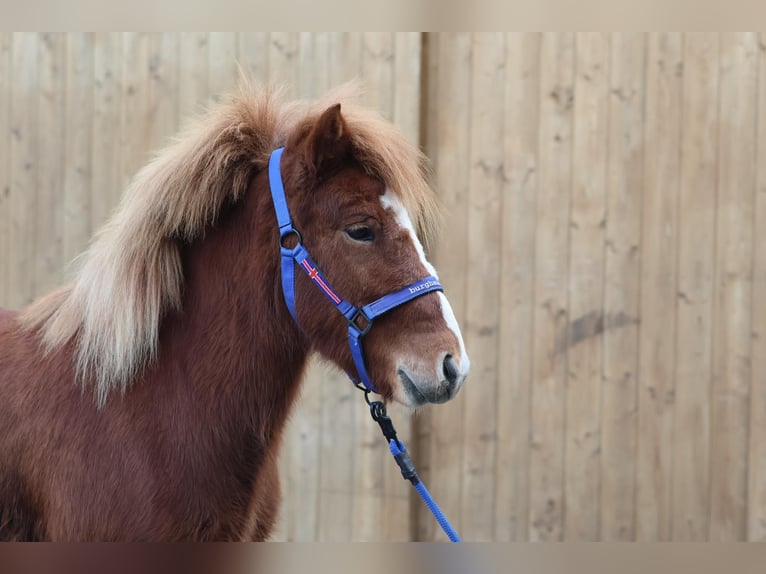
x,y
361,234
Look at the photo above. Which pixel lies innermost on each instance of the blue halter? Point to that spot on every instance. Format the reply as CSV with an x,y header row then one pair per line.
x,y
299,255
359,319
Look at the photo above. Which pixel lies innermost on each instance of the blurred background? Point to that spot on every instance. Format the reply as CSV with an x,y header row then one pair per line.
x,y
604,247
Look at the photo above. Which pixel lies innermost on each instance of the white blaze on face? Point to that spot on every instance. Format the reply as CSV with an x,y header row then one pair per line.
x,y
389,200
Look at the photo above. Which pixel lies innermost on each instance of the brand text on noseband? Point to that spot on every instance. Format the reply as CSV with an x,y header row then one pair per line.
x,y
422,286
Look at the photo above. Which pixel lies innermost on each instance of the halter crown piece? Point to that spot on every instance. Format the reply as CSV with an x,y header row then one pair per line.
x,y
359,319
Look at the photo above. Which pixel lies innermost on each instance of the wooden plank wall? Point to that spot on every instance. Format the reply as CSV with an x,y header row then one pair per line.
x,y
604,251
618,386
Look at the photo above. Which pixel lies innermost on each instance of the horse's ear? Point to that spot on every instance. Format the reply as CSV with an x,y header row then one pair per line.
x,y
328,142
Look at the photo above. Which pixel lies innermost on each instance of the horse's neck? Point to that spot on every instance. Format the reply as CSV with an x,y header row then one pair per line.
x,y
234,341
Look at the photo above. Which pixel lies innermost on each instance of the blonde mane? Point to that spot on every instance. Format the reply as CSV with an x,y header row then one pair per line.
x,y
131,276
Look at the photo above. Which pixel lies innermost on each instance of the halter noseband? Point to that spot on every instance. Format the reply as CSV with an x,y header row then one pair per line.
x,y
359,319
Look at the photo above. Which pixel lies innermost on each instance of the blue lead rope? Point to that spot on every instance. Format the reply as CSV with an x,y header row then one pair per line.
x,y
402,458
398,451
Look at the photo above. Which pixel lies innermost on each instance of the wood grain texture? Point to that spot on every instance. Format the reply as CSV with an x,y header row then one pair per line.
x,y
24,169
346,57
223,51
78,144
51,219
407,74
134,128
694,302
516,291
254,54
756,483
659,240
338,454
551,313
193,73
733,286
481,327
6,75
283,61
622,286
105,126
583,340
163,89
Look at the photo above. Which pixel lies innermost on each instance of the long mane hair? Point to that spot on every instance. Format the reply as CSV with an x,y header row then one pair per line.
x,y
131,274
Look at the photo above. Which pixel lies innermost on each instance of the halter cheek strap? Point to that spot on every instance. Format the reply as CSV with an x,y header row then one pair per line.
x,y
359,319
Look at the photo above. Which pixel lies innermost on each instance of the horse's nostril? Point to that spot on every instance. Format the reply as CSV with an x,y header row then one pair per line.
x,y
451,372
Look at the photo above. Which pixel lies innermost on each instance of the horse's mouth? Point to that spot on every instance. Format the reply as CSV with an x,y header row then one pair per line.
x,y
441,394
413,393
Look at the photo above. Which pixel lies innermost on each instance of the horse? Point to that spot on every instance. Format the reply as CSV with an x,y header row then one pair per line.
x,y
146,399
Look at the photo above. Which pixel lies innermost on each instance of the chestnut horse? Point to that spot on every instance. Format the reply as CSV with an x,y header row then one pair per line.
x,y
146,400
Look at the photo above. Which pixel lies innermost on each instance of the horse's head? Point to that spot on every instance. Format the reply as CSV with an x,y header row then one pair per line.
x,y
363,239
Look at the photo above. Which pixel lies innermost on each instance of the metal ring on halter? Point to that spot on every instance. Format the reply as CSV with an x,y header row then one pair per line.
x,y
288,233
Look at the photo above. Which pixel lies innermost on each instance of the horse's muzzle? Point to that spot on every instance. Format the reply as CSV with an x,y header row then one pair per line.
x,y
420,390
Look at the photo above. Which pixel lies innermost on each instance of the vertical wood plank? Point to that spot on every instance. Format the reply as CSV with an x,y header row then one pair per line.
x,y
407,78
133,127
340,404
22,197
223,73
377,68
6,75
346,56
450,70
756,484
733,276
301,454
658,286
283,65
320,61
546,465
522,96
162,90
481,324
339,448
694,302
313,62
106,186
79,114
583,339
51,219
254,54
622,286
193,73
